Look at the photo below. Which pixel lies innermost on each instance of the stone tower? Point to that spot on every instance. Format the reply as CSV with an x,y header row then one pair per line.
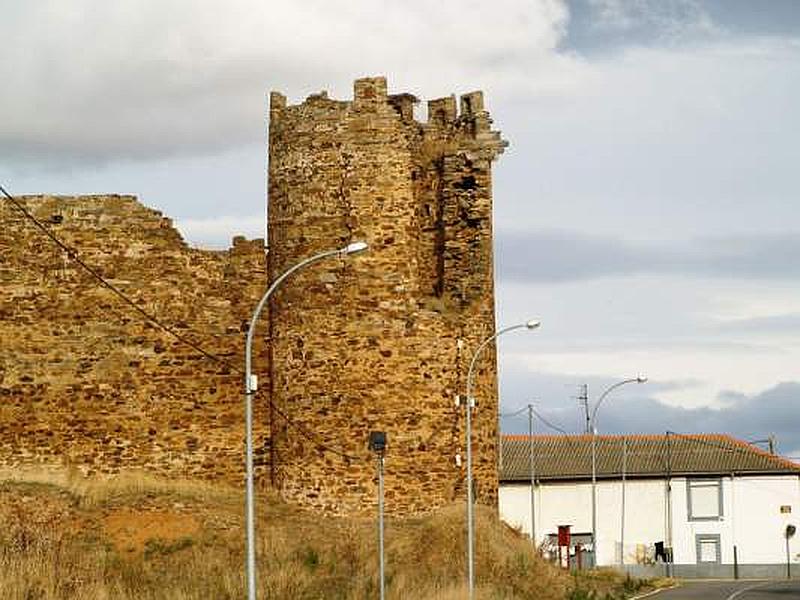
x,y
381,341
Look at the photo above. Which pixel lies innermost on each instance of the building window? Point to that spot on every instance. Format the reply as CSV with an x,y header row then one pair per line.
x,y
704,499
708,548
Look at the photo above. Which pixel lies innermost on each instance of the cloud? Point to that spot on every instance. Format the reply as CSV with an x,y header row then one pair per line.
x,y
788,323
213,232
658,143
754,417
557,256
662,18
91,81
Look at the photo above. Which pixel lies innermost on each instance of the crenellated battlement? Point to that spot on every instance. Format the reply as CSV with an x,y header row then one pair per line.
x,y
370,94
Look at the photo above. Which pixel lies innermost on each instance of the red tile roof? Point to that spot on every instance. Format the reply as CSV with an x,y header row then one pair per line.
x,y
567,457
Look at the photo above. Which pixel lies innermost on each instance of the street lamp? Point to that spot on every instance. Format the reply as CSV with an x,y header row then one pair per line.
x,y
250,386
533,324
377,443
594,456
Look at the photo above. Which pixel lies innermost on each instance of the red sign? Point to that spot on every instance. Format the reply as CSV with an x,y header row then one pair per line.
x,y
563,535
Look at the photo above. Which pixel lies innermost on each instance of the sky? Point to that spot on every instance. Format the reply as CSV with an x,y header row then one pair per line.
x,y
646,210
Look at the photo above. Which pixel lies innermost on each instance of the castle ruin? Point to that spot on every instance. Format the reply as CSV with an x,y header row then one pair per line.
x,y
380,342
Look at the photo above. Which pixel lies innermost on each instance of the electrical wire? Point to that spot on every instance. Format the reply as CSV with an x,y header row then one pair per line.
x,y
535,412
513,414
548,423
150,318
71,253
733,449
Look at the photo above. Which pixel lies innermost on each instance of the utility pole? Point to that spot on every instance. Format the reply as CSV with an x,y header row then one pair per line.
x,y
622,517
594,498
533,476
583,398
668,557
593,431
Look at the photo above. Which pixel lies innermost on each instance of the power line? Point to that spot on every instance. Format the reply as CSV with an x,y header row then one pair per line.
x,y
72,253
535,412
733,449
150,318
513,414
548,423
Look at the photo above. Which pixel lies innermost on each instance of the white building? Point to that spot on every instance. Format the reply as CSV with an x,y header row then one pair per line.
x,y
720,505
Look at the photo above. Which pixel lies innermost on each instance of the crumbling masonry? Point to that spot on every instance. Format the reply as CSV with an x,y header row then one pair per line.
x,y
378,342
382,342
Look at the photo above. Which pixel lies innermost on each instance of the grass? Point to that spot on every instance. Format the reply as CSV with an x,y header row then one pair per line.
x,y
609,584
138,537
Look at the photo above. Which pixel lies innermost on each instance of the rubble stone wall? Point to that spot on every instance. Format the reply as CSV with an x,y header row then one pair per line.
x,y
375,342
382,341
85,381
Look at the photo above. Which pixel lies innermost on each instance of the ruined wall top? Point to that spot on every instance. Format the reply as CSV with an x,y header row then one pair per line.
x,y
467,115
85,380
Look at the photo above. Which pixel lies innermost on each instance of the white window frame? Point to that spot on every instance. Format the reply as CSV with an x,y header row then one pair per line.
x,y
708,537
705,483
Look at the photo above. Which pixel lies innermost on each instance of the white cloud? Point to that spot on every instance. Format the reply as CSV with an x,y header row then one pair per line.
x,y
706,375
94,80
668,18
674,138
667,328
660,143
215,232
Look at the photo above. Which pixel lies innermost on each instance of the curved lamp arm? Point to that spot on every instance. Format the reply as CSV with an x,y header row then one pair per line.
x,y
533,324
353,248
608,391
468,434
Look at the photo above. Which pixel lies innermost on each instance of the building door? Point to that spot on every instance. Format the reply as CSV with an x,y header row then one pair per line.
x,y
708,548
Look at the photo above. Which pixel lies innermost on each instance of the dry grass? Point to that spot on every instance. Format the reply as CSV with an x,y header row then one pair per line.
x,y
137,537
609,584
99,490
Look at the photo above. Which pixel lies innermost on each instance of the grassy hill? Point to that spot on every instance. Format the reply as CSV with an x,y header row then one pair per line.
x,y
139,538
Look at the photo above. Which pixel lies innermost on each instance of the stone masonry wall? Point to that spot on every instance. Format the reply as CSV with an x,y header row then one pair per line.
x,y
85,382
382,341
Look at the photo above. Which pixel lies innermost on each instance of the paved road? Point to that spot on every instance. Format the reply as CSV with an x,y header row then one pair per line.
x,y
732,590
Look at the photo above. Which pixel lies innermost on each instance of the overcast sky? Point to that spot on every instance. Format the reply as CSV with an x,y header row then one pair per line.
x,y
647,209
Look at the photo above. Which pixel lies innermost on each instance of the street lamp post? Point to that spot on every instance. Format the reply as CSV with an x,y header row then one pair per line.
x,y
470,403
532,466
594,457
250,386
377,443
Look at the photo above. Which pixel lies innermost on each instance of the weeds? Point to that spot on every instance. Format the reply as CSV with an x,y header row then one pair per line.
x,y
136,537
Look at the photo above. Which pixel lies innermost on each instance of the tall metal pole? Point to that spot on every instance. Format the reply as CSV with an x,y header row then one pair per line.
x,y
250,387
668,557
533,476
380,526
584,398
593,430
468,434
733,526
622,517
594,497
